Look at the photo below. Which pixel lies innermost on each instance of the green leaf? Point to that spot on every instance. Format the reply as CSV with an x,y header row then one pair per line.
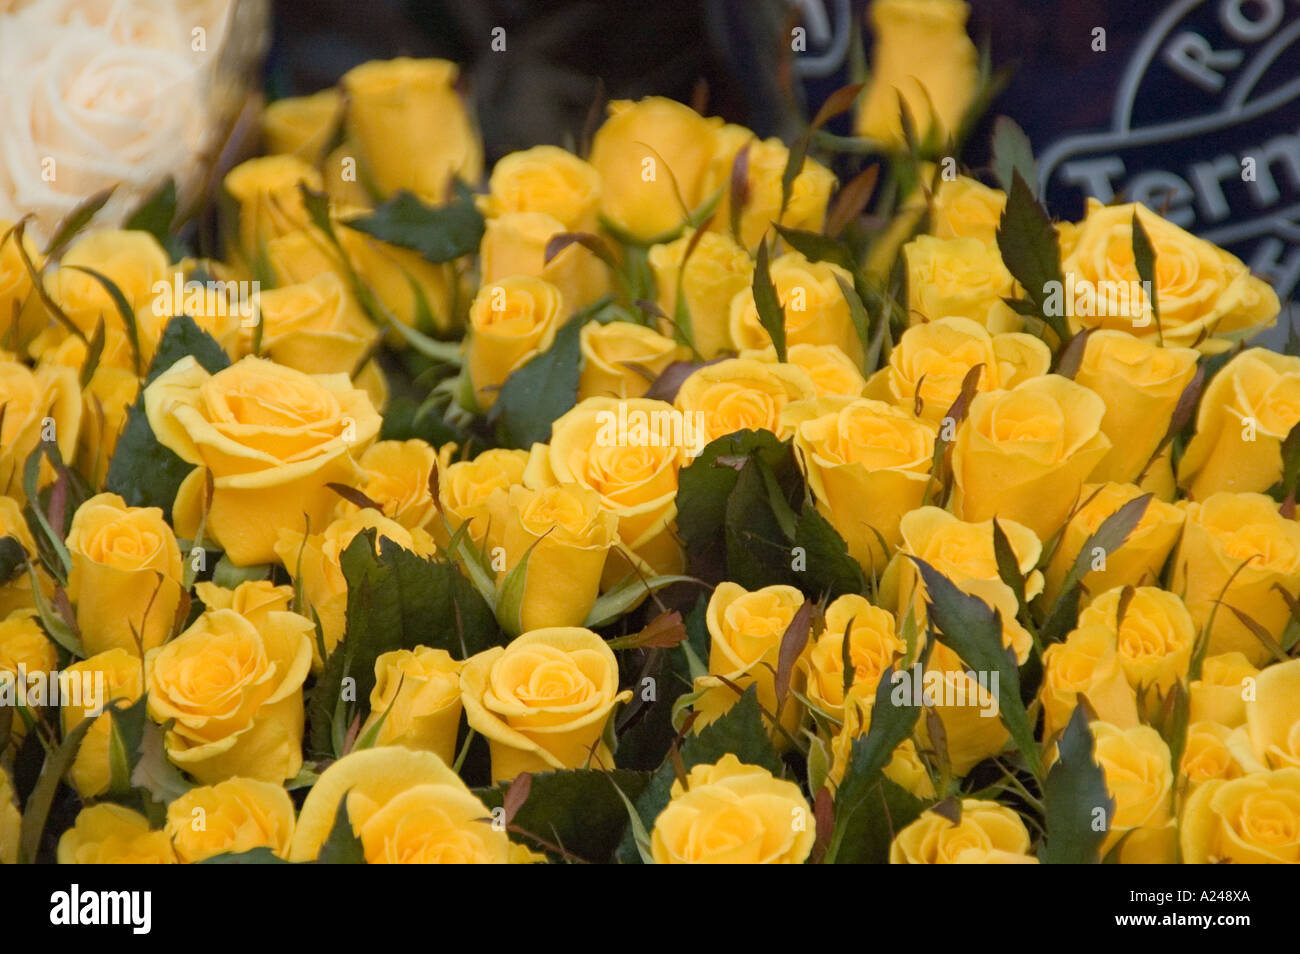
x,y
342,847
817,247
126,734
625,594
153,771
156,214
770,314
973,630
1031,251
37,809
1075,788
1012,154
76,220
510,595
534,395
184,338
1144,258
706,483
440,234
254,856
830,571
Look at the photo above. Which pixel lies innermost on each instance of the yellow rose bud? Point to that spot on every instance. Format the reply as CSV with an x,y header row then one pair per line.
x,y
1207,297
745,631
1227,680
1136,764
1086,664
105,402
1273,715
731,813
407,807
515,243
1251,820
832,372
409,127
987,832
231,817
24,651
10,821
565,536
17,593
1154,638
510,321
874,644
108,834
966,208
273,438
1141,558
126,575
270,202
16,287
1023,454
123,679
814,307
922,56
543,700
252,599
740,394
134,261
234,691
867,464
418,293
302,125
716,272
314,561
621,359
1242,538
635,476
1245,414
1140,384
931,360
961,277
40,405
466,490
904,768
549,180
653,158
417,695
1207,755
397,477
966,702
765,163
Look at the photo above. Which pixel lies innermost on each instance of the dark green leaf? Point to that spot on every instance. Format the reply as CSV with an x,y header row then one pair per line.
x,y
439,234
1013,154
1031,251
76,220
1144,258
770,314
1074,792
534,395
342,847
13,558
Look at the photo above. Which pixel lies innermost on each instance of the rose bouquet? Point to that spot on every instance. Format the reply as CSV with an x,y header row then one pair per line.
x,y
677,500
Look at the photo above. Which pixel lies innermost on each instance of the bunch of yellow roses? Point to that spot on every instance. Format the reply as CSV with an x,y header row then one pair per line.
x,y
655,505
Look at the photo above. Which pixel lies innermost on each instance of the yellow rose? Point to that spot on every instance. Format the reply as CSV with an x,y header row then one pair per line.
x,y
1252,820
10,821
24,651
1240,537
652,157
231,817
740,394
636,477
566,536
987,832
1086,664
407,807
867,464
874,644
220,306
621,359
317,327
549,180
108,834
417,695
962,277
732,813
1136,764
832,372
39,405
1140,384
765,164
1139,561
514,243
1023,454
966,208
931,360
1207,297
415,290
409,126
923,56
745,631
1207,754
106,399
133,261
270,203
302,125
17,593
813,305
123,678
1273,716
716,272
15,289
1220,694
126,578
467,490
510,321
1246,412
1154,638
543,700
967,708
904,768
397,477
314,561
272,438
234,691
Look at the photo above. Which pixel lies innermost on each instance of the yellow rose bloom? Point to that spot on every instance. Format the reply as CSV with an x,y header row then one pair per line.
x,y
417,695
1220,694
16,286
105,401
231,817
621,359
1136,764
548,180
717,271
510,321
132,260
1207,754
832,372
468,489
961,277
123,679
739,394
966,208
1251,820
252,599
967,708
40,405
988,832
515,243
904,768
812,303
302,125
1086,664
1154,639
397,476
108,834
270,203
1273,715
874,644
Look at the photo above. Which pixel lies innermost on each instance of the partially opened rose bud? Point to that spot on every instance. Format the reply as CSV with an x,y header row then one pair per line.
x,y
966,208
109,834
467,490
40,405
1136,764
100,680
510,321
1243,821
1086,664
543,700
131,260
812,302
1154,638
962,277
565,535
270,202
547,180
1207,754
988,833
251,599
516,243
1227,679
302,125
621,359
416,701
874,644
234,816
715,272
904,767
